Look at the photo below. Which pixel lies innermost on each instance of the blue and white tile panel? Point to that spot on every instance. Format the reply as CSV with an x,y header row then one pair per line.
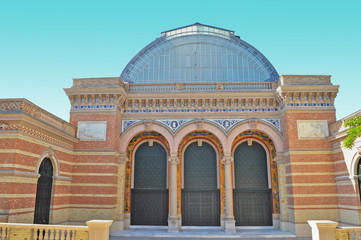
x,y
226,124
105,106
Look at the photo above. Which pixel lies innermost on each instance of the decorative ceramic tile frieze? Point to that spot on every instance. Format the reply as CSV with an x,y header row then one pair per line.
x,y
274,121
201,110
128,123
94,107
309,104
225,124
174,124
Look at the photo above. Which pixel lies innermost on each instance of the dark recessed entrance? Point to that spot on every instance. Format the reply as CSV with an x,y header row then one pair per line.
x,y
149,204
200,196
43,192
252,197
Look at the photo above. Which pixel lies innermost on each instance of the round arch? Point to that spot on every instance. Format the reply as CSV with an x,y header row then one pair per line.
x,y
212,144
271,150
134,142
271,132
149,126
203,135
151,142
198,126
267,154
49,153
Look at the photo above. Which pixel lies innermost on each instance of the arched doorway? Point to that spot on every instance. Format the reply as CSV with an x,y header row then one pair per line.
x,y
359,176
43,192
252,196
149,195
200,195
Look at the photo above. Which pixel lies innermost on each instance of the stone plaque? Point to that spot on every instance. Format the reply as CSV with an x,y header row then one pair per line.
x,y
92,131
312,129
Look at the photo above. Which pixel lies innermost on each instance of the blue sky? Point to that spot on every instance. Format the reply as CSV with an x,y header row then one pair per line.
x,y
44,44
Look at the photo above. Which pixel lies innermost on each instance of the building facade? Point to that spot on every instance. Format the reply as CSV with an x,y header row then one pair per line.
x,y
199,130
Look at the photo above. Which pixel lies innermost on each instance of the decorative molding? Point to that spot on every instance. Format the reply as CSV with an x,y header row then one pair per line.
x,y
226,124
256,110
17,173
62,178
26,107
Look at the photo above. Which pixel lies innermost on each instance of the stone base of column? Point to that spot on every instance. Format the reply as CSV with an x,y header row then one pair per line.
x,y
126,220
230,226
173,225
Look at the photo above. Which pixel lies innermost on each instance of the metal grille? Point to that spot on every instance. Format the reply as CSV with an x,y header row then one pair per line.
x,y
200,196
150,207
252,198
43,192
150,197
200,167
150,167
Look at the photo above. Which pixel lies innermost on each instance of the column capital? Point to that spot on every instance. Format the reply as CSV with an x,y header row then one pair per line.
x,y
173,158
227,159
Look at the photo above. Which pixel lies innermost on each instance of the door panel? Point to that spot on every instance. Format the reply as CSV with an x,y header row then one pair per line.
x,y
251,197
200,196
149,201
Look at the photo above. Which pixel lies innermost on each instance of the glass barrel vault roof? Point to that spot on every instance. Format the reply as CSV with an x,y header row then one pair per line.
x,y
199,53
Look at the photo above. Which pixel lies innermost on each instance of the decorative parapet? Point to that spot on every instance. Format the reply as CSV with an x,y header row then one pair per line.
x,y
41,231
201,87
309,92
11,106
305,80
339,125
97,82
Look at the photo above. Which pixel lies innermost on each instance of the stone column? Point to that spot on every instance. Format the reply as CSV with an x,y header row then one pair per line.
x,y
284,220
173,219
229,222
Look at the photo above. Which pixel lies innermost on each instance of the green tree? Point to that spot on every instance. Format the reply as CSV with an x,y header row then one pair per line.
x,y
353,132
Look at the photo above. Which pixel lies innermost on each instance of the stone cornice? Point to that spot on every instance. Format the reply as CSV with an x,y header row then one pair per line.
x,y
21,105
28,124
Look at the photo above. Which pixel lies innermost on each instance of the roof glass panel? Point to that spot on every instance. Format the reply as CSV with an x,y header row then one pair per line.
x,y
199,53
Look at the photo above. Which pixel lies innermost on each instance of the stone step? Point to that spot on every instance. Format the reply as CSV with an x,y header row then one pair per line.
x,y
202,233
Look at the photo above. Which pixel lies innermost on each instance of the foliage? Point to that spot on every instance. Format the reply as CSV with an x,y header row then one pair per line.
x,y
353,132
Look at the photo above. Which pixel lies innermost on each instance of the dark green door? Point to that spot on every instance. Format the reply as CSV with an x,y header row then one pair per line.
x,y
150,195
200,196
251,196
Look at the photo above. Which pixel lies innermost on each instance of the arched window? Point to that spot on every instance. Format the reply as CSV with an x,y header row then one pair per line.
x,y
43,192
